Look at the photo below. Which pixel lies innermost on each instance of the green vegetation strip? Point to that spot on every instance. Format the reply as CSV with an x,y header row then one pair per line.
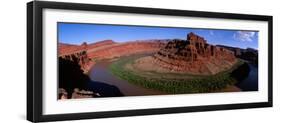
x,y
175,86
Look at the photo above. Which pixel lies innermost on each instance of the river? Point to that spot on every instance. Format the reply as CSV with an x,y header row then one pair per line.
x,y
250,83
101,73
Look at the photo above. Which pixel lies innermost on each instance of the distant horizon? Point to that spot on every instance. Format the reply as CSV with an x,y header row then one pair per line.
x,y
150,39
76,34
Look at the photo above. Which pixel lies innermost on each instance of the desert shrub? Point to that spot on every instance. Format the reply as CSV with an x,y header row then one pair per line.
x,y
176,86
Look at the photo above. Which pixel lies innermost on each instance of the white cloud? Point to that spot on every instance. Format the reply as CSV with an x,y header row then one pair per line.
x,y
244,36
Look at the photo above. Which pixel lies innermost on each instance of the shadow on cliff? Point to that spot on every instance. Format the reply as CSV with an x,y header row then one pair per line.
x,y
241,72
71,76
105,90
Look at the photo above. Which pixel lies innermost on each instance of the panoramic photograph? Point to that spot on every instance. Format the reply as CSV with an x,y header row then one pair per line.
x,y
104,60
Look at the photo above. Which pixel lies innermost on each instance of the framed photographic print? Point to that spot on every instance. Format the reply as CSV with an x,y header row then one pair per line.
x,y
95,61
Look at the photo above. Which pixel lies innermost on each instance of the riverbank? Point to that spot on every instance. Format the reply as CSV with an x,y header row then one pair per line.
x,y
101,73
173,83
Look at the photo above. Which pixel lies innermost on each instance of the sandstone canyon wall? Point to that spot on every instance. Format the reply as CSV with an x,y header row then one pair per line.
x,y
195,56
87,54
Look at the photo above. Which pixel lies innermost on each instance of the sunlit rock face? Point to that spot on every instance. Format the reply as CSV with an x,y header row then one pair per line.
x,y
86,55
194,56
81,58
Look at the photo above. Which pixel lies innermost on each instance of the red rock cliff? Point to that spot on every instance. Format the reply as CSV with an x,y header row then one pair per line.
x,y
194,55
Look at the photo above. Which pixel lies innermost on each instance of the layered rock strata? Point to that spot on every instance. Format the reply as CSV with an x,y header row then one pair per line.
x,y
81,58
194,56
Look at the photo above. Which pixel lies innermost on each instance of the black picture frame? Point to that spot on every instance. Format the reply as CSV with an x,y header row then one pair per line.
x,y
34,60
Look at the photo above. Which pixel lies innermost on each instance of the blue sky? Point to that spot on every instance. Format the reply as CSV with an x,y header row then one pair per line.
x,y
74,33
